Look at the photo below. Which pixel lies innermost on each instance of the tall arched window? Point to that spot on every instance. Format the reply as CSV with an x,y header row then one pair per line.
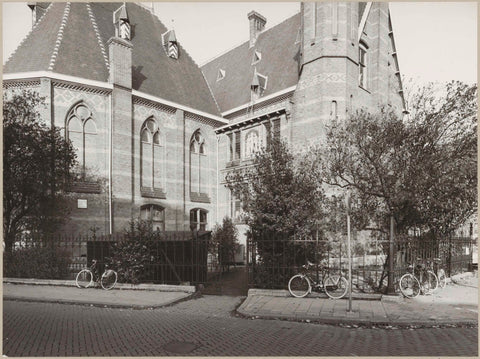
x,y
82,132
151,157
198,164
252,143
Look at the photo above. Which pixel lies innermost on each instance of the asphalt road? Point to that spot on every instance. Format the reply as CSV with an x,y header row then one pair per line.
x,y
206,327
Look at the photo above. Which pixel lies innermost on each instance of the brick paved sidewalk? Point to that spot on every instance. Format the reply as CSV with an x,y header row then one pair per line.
x,y
455,304
125,298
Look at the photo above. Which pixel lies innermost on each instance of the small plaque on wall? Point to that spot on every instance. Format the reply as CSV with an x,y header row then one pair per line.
x,y
81,203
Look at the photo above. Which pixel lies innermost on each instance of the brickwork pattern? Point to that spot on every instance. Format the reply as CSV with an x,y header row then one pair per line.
x,y
205,327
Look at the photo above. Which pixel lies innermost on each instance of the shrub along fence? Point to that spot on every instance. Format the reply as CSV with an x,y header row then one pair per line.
x,y
274,259
172,258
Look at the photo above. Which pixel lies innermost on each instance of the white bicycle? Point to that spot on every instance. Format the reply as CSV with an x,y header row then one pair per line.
x,y
87,277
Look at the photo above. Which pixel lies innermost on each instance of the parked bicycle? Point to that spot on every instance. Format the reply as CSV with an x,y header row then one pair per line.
x,y
440,272
88,276
420,279
300,285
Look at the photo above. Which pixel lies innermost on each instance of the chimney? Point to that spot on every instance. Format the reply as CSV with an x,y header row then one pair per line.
x,y
257,24
32,6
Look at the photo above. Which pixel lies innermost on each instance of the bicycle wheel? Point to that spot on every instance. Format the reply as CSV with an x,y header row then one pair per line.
x,y
109,279
336,286
442,278
432,281
84,278
409,285
299,286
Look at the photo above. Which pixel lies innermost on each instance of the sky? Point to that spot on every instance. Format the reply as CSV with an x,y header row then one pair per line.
x,y
435,41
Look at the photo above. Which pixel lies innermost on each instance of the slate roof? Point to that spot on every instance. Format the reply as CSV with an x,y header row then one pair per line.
x,y
279,62
77,51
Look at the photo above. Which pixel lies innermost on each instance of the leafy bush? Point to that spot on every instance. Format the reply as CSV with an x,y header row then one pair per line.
x,y
41,262
132,255
224,242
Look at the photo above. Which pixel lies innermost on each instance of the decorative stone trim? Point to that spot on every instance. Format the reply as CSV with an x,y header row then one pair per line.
x,y
157,106
199,197
21,84
85,187
80,87
97,33
149,192
204,120
261,106
66,12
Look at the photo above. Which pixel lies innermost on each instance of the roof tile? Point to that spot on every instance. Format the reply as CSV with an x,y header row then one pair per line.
x,y
279,61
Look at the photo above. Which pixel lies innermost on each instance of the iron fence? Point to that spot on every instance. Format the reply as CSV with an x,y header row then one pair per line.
x,y
174,257
273,260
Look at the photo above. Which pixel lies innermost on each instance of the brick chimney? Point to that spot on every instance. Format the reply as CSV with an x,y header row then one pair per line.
x,y
257,24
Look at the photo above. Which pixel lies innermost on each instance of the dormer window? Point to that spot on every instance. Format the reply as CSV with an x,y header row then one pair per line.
x,y
122,23
257,56
220,75
258,85
170,44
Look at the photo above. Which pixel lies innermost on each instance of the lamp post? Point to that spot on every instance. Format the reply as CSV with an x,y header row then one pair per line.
x,y
349,252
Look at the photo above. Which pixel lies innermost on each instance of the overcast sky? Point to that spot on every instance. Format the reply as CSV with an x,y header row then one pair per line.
x,y
435,41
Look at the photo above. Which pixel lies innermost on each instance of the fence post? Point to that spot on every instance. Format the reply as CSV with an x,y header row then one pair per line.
x,y
391,287
449,258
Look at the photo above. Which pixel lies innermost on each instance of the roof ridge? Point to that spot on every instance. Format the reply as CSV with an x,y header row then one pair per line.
x,y
28,34
211,92
245,41
97,34
63,24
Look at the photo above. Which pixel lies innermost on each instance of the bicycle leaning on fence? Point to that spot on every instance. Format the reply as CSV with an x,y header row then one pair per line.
x,y
420,279
300,285
87,276
439,272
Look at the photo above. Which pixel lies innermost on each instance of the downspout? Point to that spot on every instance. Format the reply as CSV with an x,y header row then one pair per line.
x,y
217,174
110,139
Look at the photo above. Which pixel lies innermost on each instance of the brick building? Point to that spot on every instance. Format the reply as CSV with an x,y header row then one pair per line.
x,y
155,133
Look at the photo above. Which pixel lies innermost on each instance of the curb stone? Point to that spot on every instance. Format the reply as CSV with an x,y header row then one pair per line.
x,y
119,286
99,305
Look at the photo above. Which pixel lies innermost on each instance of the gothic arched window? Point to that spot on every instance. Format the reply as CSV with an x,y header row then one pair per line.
x,y
198,163
151,156
82,132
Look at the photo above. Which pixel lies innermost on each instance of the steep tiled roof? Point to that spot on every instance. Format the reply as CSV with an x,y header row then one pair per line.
x,y
279,62
74,43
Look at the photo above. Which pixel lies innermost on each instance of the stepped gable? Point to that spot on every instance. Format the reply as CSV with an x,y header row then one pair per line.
x,y
78,48
280,55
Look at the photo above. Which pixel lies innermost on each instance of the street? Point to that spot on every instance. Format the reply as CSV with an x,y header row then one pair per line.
x,y
206,327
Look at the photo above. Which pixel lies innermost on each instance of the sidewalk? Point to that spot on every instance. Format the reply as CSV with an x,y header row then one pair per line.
x,y
141,297
455,304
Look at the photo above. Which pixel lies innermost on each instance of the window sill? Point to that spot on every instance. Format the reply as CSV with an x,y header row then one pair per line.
x,y
149,192
85,187
199,197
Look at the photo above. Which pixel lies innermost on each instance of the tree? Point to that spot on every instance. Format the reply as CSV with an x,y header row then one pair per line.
x,y
36,162
280,192
281,197
224,242
421,170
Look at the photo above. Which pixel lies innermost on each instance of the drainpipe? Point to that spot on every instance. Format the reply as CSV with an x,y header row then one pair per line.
x,y
216,174
110,139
